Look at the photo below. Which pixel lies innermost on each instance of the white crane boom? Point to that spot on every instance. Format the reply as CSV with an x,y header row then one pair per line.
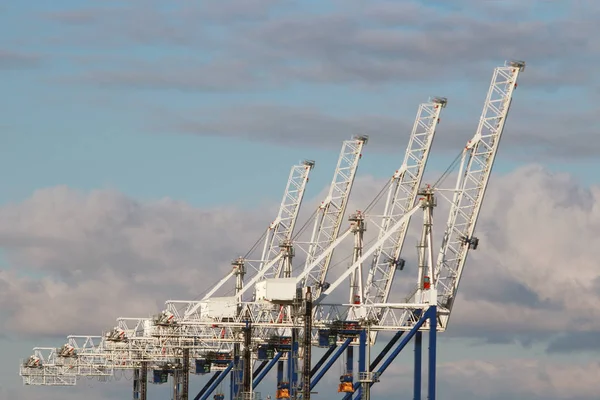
x,y
401,197
281,229
475,168
331,212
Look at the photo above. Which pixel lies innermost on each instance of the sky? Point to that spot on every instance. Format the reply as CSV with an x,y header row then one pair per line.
x,y
145,144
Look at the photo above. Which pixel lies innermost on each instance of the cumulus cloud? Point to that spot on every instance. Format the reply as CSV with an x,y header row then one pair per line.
x,y
101,255
79,260
532,379
537,259
503,379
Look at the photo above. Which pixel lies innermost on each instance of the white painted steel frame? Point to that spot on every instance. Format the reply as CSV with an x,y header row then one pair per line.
x,y
474,173
401,197
331,212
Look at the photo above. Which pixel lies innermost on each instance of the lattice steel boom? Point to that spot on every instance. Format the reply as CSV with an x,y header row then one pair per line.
x,y
331,212
474,173
281,229
402,195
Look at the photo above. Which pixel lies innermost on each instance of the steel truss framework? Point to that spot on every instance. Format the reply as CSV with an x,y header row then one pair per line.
x,y
187,331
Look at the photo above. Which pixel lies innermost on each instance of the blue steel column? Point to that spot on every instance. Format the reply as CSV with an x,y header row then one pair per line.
x,y
362,357
295,364
386,349
418,354
350,360
327,366
322,360
279,372
216,383
265,371
397,350
432,350
207,385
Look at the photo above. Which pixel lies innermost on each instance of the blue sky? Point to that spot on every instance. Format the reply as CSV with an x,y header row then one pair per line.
x,y
110,107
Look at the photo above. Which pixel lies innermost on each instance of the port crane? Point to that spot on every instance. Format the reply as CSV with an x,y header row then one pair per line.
x,y
429,306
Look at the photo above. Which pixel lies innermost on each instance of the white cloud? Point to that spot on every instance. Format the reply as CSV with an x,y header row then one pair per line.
x,y
80,260
537,230
521,377
96,256
501,379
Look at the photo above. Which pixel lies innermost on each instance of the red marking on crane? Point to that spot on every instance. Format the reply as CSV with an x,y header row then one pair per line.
x,y
426,283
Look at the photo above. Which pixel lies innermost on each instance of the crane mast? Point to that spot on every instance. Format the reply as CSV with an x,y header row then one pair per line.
x,y
475,168
331,212
401,197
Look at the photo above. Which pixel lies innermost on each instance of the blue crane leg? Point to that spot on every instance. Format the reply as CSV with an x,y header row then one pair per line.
x,y
432,353
333,359
322,360
266,370
210,381
430,313
216,383
418,354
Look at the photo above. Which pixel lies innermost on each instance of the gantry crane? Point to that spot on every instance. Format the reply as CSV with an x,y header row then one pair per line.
x,y
428,307
438,283
134,347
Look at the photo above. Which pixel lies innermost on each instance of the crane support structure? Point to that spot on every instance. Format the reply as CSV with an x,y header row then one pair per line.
x,y
401,197
278,231
429,318
330,214
204,335
475,168
281,229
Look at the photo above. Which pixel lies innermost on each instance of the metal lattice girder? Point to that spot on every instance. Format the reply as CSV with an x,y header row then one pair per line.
x,y
476,166
221,333
331,212
268,318
401,197
44,367
46,376
282,228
